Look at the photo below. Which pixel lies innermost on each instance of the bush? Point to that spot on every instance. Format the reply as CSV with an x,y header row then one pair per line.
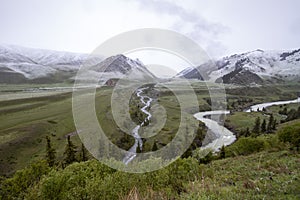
x,y
93,180
72,182
246,146
17,186
290,134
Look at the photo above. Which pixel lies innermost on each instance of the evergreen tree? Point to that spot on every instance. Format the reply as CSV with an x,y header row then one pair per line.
x,y
256,128
285,111
233,105
270,123
70,152
274,124
222,152
50,153
207,159
241,133
264,126
138,149
291,115
154,148
247,133
83,153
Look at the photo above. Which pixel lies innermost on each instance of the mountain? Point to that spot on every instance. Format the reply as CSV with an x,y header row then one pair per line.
x,y
255,67
26,65
120,66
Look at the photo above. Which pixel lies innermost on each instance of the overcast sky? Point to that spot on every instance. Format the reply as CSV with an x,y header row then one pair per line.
x,y
220,27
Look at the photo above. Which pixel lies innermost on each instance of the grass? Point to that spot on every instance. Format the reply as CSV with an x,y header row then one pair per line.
x,y
270,174
27,117
265,175
241,120
275,109
25,122
22,131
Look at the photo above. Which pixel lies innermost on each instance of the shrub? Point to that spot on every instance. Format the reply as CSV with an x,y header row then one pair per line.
x,y
246,146
290,134
93,180
17,186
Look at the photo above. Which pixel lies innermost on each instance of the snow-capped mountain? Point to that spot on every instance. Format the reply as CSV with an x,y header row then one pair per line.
x,y
26,65
118,66
252,67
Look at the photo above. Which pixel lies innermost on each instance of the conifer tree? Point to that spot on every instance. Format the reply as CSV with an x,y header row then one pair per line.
x,y
70,152
138,149
222,152
247,133
256,128
50,153
270,123
154,148
274,124
264,126
83,153
284,112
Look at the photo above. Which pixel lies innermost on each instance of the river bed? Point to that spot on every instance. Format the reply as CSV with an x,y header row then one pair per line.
x,y
135,132
224,136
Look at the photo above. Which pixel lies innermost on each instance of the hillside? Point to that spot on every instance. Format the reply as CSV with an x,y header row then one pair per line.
x,y
264,175
19,65
253,67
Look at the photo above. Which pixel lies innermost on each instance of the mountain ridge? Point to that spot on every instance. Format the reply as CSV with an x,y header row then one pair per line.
x,y
25,65
265,65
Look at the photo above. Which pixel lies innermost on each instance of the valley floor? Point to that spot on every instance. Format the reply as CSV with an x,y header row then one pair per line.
x,y
255,167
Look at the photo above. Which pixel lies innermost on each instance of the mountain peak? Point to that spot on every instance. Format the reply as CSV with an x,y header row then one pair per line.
x,y
26,65
274,65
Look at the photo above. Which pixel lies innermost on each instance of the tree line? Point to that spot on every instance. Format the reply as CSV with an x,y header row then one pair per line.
x,y
260,127
71,153
290,115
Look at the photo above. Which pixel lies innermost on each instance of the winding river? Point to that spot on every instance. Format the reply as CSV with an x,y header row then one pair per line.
x,y
225,136
135,132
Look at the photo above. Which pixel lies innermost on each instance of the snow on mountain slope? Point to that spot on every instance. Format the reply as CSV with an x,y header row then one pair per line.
x,y
42,56
37,63
20,64
266,64
185,71
120,66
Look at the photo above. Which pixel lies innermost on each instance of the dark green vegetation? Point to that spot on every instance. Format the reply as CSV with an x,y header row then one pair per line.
x,y
290,133
262,167
240,76
24,125
260,164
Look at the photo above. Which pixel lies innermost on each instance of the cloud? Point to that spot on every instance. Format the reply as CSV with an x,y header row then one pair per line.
x,y
189,23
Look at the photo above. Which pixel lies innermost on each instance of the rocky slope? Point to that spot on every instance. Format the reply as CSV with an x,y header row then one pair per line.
x,y
25,65
253,67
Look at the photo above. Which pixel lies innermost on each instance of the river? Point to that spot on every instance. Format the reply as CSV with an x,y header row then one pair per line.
x,y
135,132
225,136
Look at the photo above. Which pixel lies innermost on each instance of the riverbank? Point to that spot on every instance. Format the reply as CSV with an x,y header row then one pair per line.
x,y
138,143
223,135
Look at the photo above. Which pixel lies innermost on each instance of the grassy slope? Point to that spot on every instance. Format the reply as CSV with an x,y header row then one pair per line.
x,y
22,130
269,175
26,122
265,175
